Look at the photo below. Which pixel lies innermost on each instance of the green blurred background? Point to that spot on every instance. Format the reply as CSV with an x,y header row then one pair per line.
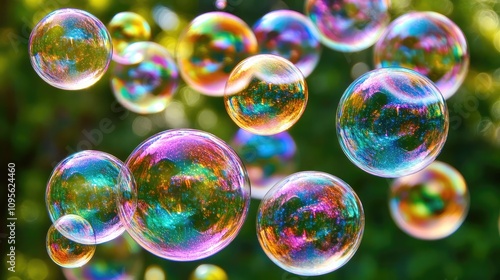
x,y
40,125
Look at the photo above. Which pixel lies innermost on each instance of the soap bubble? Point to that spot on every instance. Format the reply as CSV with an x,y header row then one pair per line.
x,y
64,241
70,49
428,43
221,4
392,122
291,35
147,83
193,194
208,272
119,258
87,184
349,25
265,94
127,28
210,48
430,204
310,223
268,159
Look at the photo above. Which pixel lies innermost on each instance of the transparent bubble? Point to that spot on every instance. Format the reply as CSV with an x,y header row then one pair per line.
x,y
392,122
349,25
430,204
310,223
148,82
119,258
291,35
208,272
428,43
220,4
193,194
268,159
63,241
210,47
87,184
70,49
127,28
265,94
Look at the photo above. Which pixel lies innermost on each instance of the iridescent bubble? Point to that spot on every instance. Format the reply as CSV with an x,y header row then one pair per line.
x,y
193,194
291,35
265,94
310,223
349,25
70,49
119,258
63,241
268,159
392,122
221,4
210,48
146,84
208,272
87,184
127,28
428,43
430,204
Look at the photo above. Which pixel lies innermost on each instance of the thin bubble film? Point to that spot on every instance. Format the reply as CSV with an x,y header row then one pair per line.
x,y
291,35
147,83
392,122
268,159
193,194
70,49
208,272
265,94
310,223
210,47
87,184
62,241
430,204
127,28
428,43
349,25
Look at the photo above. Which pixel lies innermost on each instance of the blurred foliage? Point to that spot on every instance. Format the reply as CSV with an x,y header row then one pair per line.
x,y
40,125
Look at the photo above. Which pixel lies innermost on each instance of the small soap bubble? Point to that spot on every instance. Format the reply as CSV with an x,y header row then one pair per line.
x,y
221,4
147,83
127,28
430,204
70,49
428,43
210,47
291,35
64,241
87,184
392,122
349,25
265,94
310,223
268,159
193,194
208,272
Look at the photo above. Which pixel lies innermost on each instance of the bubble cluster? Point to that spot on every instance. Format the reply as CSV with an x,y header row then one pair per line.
x,y
430,204
349,25
193,194
70,49
310,223
146,84
127,28
70,241
265,94
268,159
428,43
291,35
392,122
210,47
87,184
119,258
208,272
